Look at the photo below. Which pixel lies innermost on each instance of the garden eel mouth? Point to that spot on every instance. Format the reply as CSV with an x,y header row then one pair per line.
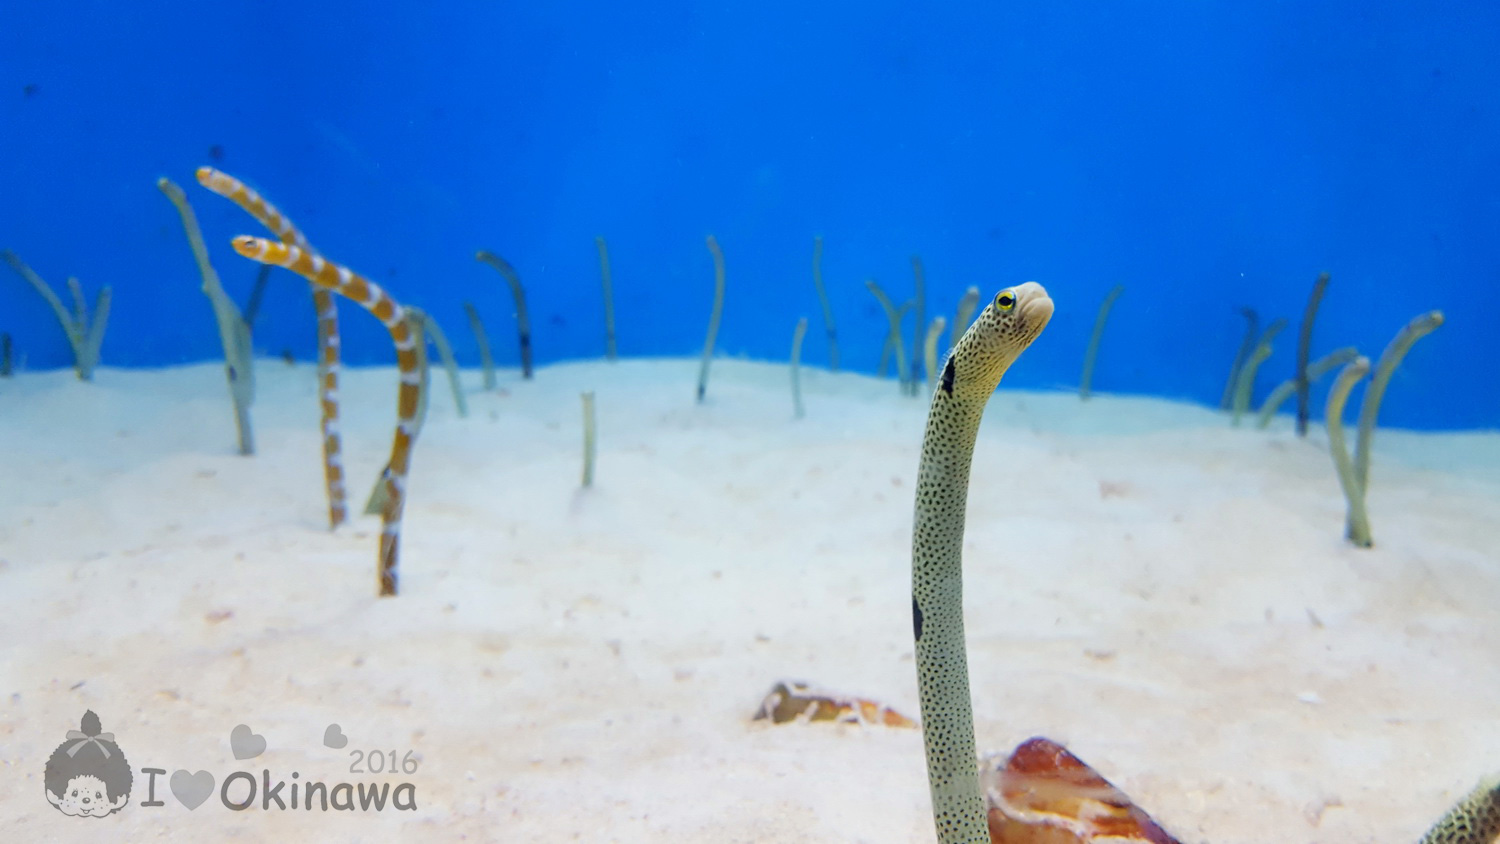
x,y
1006,326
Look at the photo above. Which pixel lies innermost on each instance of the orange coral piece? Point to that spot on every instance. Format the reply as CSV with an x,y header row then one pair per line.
x,y
1046,795
794,701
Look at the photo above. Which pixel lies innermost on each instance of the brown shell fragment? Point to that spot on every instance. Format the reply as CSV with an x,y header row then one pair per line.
x,y
792,701
1045,795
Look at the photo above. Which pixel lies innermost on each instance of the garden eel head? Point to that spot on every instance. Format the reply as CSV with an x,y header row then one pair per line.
x,y
1003,330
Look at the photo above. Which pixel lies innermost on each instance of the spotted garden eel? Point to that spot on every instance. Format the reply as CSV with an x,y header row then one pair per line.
x,y
1003,330
1473,820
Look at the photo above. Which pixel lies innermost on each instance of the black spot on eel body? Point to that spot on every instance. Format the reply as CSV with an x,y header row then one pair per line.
x,y
916,619
948,376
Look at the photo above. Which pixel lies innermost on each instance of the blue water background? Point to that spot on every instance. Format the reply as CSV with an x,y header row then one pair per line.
x,y
1204,155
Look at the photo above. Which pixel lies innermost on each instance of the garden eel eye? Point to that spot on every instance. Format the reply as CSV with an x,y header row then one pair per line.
x,y
1006,300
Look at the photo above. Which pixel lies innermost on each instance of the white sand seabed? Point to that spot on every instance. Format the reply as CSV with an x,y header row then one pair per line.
x,y
1169,597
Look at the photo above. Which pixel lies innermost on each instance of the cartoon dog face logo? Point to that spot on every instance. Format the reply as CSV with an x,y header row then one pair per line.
x,y
87,775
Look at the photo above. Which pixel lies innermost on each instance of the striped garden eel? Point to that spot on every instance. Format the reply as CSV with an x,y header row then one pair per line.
x,y
269,216
1003,330
368,295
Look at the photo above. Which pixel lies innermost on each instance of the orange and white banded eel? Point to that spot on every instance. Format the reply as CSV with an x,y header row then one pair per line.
x,y
269,216
368,295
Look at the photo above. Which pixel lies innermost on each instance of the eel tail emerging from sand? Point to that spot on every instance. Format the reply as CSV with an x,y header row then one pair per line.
x,y
1008,324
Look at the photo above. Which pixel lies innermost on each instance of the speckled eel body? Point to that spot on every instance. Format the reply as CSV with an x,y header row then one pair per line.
x,y
1008,324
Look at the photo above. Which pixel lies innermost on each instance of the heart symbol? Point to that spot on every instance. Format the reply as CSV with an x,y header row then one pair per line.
x,y
245,744
334,737
192,789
